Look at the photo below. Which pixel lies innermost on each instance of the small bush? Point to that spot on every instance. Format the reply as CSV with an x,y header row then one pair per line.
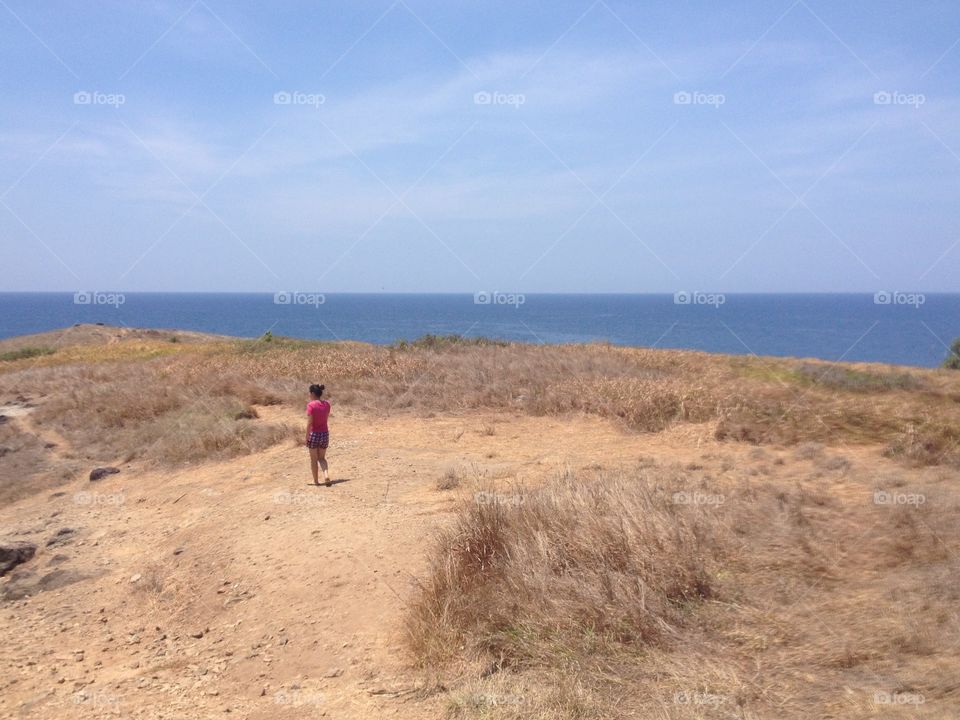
x,y
449,480
953,357
836,463
248,413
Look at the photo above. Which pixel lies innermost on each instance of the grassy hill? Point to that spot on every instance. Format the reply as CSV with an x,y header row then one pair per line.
x,y
572,531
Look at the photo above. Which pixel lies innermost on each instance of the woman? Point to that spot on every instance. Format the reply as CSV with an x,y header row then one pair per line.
x,y
318,436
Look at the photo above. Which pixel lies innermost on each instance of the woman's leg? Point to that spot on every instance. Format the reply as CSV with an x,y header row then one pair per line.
x,y
322,460
313,464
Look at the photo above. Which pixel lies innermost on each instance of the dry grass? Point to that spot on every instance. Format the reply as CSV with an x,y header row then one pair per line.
x,y
449,480
529,577
659,594
147,410
760,401
785,582
25,466
116,401
841,377
929,442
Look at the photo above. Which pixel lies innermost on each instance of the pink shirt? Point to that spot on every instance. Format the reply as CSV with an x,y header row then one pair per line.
x,y
319,410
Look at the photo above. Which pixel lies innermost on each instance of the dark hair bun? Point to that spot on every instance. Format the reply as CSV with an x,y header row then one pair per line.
x,y
316,390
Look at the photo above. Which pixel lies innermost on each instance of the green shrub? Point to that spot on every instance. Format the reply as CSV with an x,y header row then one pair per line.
x,y
953,358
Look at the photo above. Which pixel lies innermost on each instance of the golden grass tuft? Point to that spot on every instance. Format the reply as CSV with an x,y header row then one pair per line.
x,y
653,593
527,576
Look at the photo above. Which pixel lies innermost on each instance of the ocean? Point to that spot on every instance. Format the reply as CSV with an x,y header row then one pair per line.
x,y
901,328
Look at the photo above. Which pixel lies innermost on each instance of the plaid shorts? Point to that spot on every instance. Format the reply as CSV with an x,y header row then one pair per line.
x,y
318,440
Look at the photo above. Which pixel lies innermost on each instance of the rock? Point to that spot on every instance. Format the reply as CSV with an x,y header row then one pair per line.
x,y
63,535
335,672
14,553
135,578
25,583
198,634
101,472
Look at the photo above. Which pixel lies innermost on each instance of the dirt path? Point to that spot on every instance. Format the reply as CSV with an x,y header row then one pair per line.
x,y
237,587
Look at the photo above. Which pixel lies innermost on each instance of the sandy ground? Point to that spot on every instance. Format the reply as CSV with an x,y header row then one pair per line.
x,y
239,588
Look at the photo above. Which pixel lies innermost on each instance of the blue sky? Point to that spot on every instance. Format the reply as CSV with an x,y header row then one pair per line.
x,y
531,147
